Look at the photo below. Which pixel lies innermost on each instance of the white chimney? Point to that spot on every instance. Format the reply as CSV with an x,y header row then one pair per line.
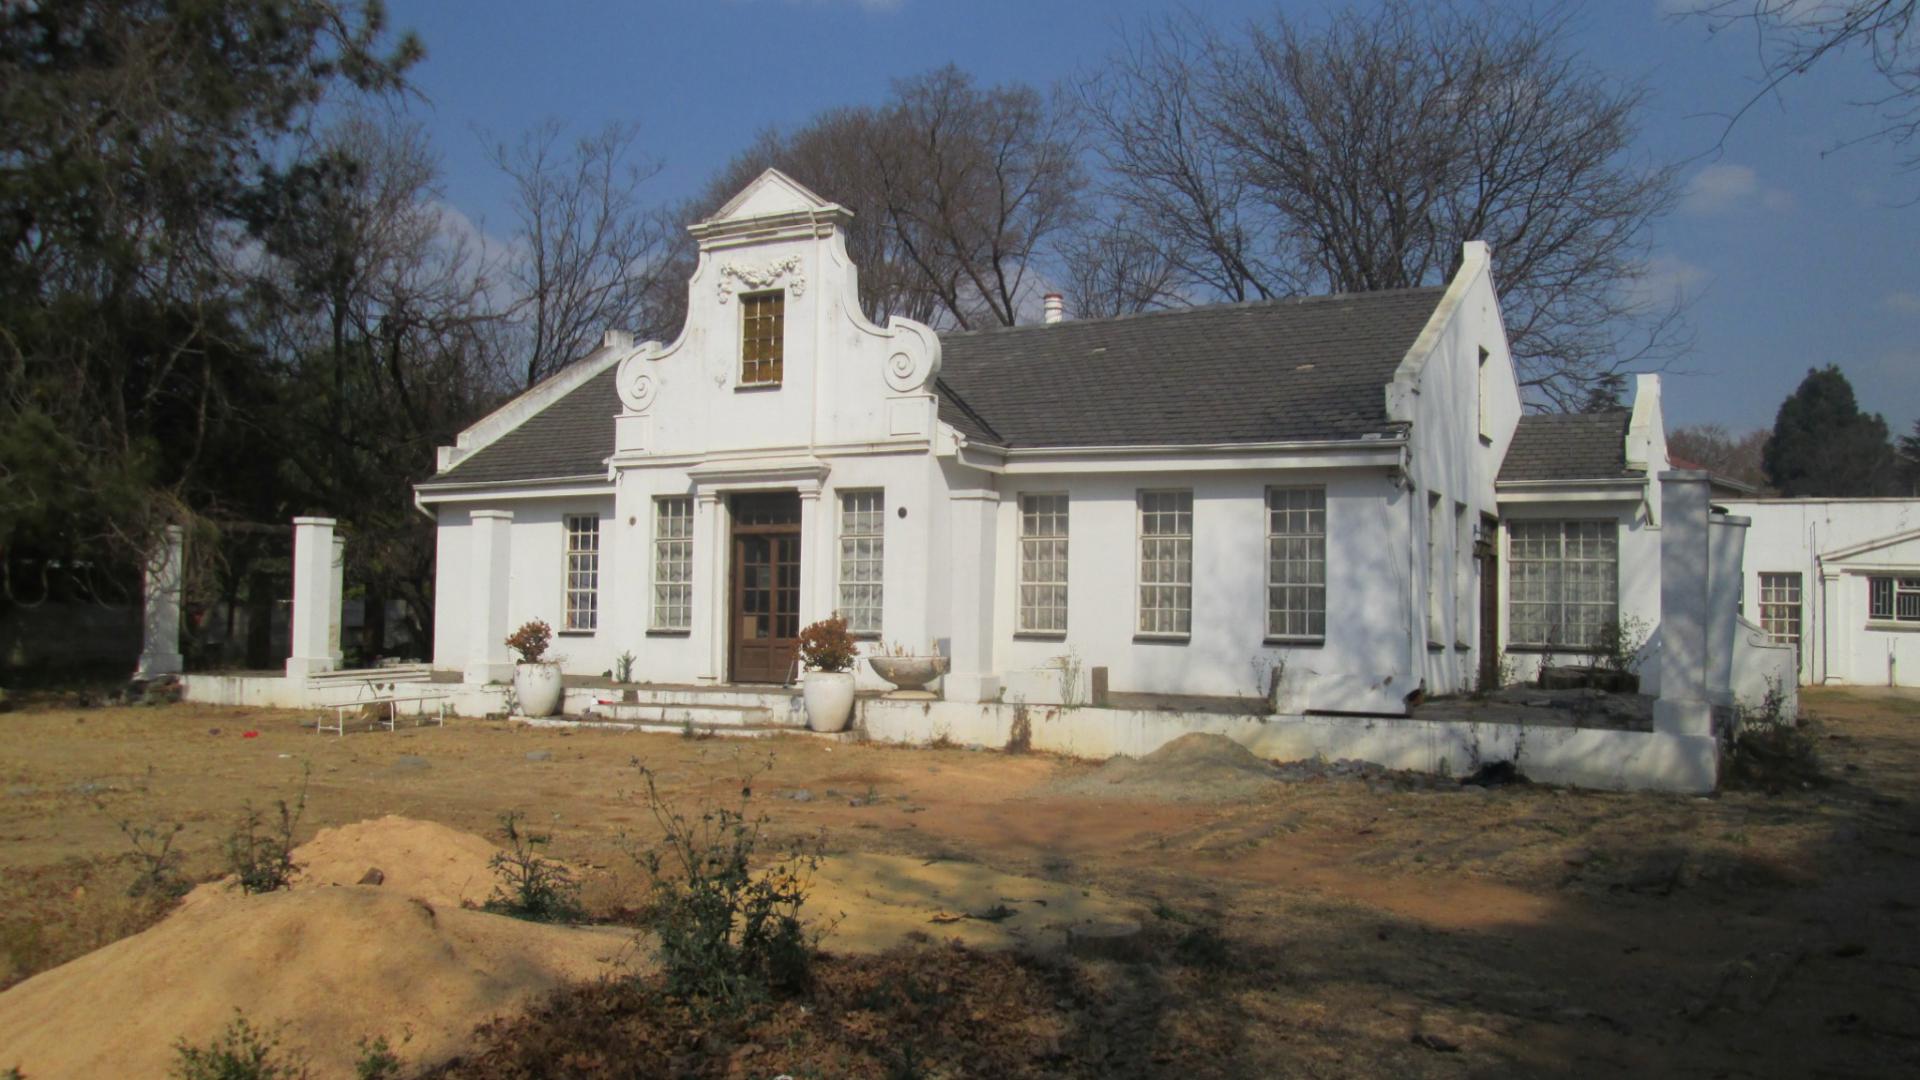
x,y
1056,307
616,339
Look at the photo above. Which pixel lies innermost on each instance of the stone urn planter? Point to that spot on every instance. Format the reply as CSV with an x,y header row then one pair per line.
x,y
909,674
829,698
537,688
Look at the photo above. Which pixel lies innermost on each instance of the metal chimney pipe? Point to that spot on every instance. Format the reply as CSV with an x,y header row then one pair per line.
x,y
1055,306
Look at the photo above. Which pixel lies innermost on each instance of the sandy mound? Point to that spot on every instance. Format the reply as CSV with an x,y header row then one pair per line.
x,y
879,899
1194,766
333,963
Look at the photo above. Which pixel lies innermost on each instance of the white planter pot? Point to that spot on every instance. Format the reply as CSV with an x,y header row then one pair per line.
x,y
829,697
537,688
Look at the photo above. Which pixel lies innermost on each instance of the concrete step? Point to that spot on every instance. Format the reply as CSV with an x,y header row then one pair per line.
x,y
775,700
715,714
698,729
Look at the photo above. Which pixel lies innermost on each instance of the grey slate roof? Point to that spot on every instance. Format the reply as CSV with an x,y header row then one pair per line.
x,y
571,437
1280,370
1569,446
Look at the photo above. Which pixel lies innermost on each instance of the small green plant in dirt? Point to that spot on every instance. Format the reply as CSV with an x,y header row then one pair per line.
x,y
241,1052
730,935
1770,750
623,666
531,886
1618,644
260,849
157,864
377,1061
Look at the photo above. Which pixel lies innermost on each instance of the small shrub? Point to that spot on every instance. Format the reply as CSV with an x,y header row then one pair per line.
x,y
827,646
1771,751
377,1061
241,1052
158,865
729,937
259,851
531,640
623,666
531,886
1619,645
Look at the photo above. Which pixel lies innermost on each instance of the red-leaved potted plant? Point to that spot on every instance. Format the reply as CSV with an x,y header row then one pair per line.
x,y
828,651
536,680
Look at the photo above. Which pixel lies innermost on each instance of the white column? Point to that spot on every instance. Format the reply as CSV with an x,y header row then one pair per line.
x,y
313,554
1726,560
491,571
336,600
975,538
1835,656
1684,607
160,647
710,563
816,558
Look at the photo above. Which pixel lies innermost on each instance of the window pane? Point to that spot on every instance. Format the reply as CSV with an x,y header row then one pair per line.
x,y
673,564
1296,562
1043,563
1563,582
762,337
1166,562
581,572
862,559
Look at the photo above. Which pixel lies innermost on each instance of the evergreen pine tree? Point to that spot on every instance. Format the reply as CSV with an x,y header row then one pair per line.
x,y
1823,445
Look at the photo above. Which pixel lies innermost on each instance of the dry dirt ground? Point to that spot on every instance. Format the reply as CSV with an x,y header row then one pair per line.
x,y
1365,927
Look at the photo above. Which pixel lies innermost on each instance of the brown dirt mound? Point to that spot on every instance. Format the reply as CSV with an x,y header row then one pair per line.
x,y
331,963
1197,766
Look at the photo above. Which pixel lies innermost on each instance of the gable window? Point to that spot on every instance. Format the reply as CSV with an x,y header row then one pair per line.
x,y
1480,397
1435,572
672,564
1462,572
763,331
1564,586
863,516
1166,562
1297,564
1043,564
1893,599
583,572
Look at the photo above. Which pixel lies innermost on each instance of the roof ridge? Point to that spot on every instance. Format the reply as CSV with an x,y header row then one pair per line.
x,y
1196,309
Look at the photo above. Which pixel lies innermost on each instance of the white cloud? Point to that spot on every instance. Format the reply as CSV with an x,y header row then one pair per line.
x,y
1902,301
1665,280
1723,189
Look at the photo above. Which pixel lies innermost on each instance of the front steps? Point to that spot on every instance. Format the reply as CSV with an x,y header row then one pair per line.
x,y
701,711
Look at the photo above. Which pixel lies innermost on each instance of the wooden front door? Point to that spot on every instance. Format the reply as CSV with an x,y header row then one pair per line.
x,y
765,602
1486,552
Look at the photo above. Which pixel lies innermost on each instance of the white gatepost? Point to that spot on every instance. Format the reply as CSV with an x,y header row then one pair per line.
x,y
975,538
336,600
316,584
1685,570
160,644
488,660
1727,563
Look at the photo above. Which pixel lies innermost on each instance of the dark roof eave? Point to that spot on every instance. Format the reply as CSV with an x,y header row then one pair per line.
x,y
426,487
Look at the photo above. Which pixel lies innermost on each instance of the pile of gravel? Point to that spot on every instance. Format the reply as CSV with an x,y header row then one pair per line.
x,y
1197,766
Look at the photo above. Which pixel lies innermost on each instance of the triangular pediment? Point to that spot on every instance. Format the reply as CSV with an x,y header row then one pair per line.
x,y
772,193
1898,549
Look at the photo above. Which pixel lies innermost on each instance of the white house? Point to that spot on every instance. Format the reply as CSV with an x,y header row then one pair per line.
x,y
1839,580
1338,494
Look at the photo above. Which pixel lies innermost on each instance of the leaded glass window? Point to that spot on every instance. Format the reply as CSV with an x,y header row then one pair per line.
x,y
1563,587
1043,564
583,572
1166,562
1297,563
863,517
673,564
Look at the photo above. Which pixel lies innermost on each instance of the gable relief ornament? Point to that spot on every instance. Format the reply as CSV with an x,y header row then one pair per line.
x,y
638,388
735,276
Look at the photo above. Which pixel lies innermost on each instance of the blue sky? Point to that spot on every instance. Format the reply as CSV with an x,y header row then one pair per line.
x,y
1796,258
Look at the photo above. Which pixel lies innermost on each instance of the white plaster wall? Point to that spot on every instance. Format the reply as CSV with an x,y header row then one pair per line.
x,y
453,545
1367,587
1837,642
1453,401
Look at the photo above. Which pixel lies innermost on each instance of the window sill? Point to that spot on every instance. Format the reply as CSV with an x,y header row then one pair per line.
x,y
1436,646
1553,650
1304,642
1893,627
575,633
864,636
669,633
1040,635
1163,639
748,388
1462,646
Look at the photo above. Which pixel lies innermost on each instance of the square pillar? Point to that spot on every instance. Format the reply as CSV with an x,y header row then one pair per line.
x,y
817,559
711,560
491,568
336,600
1685,569
315,623
975,537
1726,561
1836,624
160,644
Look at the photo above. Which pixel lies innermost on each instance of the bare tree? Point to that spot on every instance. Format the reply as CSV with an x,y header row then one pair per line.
x,y
1713,447
1111,266
1361,153
1795,35
586,254
958,192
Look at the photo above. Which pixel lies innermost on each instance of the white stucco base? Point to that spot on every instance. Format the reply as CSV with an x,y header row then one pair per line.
x,y
1582,757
